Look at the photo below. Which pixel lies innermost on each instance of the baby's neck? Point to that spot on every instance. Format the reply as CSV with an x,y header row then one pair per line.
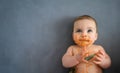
x,y
84,48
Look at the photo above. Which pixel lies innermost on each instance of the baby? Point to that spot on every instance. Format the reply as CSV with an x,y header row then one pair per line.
x,y
85,56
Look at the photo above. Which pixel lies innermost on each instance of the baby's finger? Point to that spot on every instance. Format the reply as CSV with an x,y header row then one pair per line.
x,y
101,52
96,62
84,60
99,55
98,58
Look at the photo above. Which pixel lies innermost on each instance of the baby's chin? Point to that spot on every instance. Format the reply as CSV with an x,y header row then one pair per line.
x,y
84,44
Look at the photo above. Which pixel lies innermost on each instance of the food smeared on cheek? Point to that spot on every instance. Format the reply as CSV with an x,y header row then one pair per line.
x,y
83,42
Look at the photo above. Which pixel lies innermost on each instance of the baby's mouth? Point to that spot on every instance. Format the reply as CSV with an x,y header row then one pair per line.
x,y
84,40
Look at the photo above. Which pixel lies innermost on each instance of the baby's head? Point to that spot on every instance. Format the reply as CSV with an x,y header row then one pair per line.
x,y
85,30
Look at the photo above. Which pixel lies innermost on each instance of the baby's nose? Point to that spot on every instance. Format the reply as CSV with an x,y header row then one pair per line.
x,y
84,34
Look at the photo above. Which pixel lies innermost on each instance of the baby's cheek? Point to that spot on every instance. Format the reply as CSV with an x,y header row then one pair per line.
x,y
93,37
76,36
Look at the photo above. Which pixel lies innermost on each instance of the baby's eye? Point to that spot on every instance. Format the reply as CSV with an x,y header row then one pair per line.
x,y
89,30
79,30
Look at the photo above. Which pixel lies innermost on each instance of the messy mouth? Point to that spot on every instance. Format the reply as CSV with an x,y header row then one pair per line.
x,y
84,40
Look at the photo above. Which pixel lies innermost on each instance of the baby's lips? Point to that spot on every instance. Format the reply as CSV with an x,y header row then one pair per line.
x,y
84,40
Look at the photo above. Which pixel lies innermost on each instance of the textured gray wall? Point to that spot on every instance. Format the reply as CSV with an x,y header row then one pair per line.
x,y
34,34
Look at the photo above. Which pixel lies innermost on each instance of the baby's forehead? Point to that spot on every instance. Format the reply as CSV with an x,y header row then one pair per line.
x,y
85,22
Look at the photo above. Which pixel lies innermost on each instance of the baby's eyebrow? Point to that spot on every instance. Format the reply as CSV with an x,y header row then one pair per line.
x,y
90,28
78,28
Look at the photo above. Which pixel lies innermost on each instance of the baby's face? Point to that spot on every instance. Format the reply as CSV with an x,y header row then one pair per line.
x,y
84,32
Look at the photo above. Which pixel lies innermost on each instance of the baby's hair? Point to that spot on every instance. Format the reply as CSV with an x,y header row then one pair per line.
x,y
86,17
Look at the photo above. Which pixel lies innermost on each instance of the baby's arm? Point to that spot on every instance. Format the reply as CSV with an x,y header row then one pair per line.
x,y
102,59
69,60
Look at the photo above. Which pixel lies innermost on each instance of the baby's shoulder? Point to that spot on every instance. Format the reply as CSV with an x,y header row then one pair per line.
x,y
73,47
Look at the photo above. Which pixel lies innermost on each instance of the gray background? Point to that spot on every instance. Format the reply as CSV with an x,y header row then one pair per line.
x,y
34,34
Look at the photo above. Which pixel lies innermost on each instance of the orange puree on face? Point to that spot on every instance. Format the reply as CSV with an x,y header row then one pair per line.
x,y
82,41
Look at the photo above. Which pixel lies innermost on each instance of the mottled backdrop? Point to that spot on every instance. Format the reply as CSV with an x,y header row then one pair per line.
x,y
34,34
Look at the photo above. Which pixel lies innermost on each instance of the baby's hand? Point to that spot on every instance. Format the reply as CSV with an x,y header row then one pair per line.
x,y
81,58
100,58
